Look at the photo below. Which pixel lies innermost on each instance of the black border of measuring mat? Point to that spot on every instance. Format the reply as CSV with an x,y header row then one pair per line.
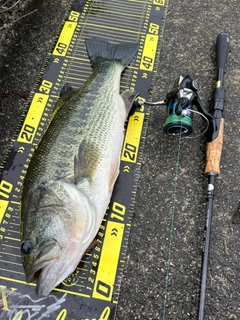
x,y
124,196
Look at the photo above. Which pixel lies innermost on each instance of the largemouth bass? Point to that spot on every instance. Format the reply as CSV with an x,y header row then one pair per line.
x,y
71,176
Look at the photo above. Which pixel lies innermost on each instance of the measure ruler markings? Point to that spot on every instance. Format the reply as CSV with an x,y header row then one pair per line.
x,y
12,262
13,257
90,281
10,254
128,17
116,30
120,7
13,230
116,37
123,14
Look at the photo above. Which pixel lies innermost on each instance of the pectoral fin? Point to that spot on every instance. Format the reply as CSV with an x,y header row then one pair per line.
x,y
86,161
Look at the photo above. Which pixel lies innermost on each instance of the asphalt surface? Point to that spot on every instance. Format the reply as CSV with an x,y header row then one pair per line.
x,y
163,268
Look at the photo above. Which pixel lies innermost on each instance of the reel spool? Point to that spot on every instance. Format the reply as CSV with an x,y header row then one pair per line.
x,y
177,126
179,98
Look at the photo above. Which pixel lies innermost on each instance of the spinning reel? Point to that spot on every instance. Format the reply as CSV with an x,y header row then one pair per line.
x,y
179,104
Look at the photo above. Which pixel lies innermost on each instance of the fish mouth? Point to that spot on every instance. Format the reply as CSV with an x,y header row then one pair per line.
x,y
39,271
48,254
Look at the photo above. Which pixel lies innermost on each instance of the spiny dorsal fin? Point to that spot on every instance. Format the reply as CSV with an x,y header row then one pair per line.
x,y
66,91
65,94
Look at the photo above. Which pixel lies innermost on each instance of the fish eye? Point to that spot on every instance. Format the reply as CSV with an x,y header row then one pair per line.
x,y
27,247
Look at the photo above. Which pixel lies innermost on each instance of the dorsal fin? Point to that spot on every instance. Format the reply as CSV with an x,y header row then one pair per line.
x,y
65,94
66,91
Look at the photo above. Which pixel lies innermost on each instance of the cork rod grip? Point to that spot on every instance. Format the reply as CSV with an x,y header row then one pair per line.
x,y
214,151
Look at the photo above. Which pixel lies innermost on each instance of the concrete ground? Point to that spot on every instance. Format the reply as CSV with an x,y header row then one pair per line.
x,y
163,268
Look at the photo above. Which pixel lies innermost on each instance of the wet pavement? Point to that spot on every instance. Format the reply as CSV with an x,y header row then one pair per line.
x,y
163,268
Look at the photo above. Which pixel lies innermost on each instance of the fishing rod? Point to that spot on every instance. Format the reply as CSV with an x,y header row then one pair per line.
x,y
214,138
179,104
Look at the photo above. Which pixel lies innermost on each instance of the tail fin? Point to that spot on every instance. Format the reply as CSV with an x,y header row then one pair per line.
x,y
100,50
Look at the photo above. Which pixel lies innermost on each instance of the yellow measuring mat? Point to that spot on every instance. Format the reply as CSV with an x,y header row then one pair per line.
x,y
92,291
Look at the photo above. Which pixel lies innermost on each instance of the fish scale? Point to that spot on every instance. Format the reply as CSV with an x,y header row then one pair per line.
x,y
73,171
55,155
